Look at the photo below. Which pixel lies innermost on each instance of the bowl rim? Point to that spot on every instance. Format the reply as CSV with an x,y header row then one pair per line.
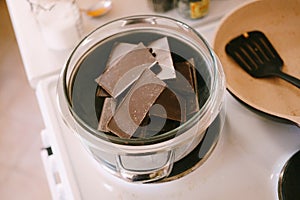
x,y
212,106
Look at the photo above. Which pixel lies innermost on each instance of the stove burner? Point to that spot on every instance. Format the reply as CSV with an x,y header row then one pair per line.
x,y
289,182
195,158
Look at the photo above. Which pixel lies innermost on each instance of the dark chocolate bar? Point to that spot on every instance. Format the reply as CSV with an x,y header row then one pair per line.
x,y
108,110
101,92
119,50
184,81
125,71
161,51
136,104
172,106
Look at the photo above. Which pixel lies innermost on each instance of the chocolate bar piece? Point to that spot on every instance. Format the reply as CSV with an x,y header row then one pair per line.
x,y
173,106
119,50
192,100
136,104
161,51
108,110
185,85
192,104
125,71
155,126
193,71
101,92
184,81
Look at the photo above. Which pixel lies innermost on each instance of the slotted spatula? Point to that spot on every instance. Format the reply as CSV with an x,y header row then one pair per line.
x,y
256,55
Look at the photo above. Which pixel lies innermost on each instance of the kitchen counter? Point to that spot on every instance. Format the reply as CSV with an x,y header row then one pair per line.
x,y
40,61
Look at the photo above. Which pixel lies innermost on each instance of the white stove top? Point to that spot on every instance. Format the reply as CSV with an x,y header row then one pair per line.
x,y
245,164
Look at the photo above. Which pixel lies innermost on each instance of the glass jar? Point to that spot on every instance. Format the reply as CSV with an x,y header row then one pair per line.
x,y
59,22
161,6
193,9
139,159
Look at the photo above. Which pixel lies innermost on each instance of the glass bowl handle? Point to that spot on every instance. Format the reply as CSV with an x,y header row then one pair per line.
x,y
142,169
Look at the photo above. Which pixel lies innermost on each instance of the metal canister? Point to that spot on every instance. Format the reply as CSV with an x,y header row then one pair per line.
x,y
193,9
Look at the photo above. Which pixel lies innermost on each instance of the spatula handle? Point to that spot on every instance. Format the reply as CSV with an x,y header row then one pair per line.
x,y
293,80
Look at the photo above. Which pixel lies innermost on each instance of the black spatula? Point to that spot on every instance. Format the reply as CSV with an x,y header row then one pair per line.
x,y
256,55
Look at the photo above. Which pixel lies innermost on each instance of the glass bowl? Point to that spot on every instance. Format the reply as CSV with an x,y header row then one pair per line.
x,y
139,159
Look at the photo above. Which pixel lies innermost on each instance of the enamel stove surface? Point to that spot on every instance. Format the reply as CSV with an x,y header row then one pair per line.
x,y
245,164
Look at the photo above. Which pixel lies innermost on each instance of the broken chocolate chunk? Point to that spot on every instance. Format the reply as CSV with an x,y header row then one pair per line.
x,y
173,106
119,50
184,81
125,71
136,104
194,74
192,104
108,110
101,92
185,86
161,51
193,99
